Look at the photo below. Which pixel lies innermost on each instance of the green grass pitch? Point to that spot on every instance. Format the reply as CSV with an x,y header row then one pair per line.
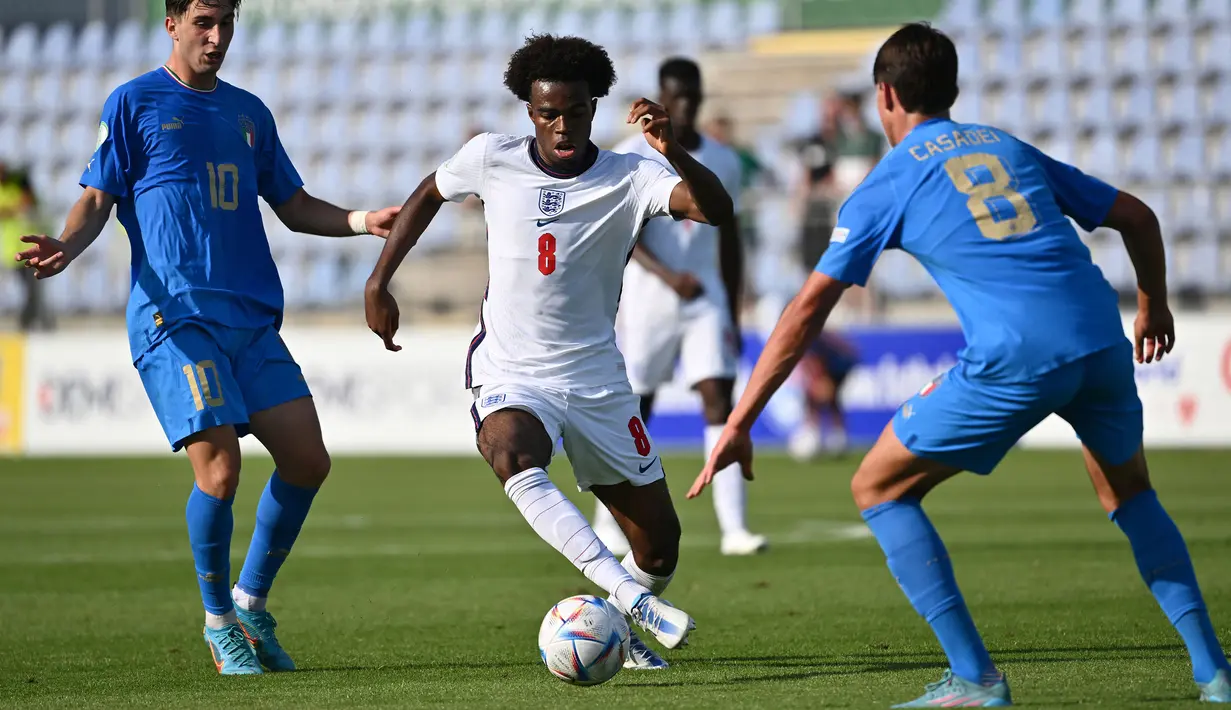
x,y
416,584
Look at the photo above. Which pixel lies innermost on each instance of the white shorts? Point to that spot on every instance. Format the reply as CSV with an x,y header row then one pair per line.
x,y
700,336
603,434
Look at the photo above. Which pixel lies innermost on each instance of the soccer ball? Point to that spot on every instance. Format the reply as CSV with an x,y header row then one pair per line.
x,y
584,640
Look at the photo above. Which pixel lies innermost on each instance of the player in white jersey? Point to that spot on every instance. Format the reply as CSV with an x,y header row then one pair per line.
x,y
562,217
680,302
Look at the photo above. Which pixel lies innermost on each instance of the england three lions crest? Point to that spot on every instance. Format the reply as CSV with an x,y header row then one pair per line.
x,y
551,202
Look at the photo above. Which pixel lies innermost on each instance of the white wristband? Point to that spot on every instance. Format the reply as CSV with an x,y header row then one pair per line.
x,y
358,221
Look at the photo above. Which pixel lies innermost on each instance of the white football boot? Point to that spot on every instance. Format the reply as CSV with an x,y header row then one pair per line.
x,y
668,625
744,543
640,657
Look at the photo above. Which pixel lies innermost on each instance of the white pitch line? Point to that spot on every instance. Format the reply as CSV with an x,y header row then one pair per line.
x,y
804,533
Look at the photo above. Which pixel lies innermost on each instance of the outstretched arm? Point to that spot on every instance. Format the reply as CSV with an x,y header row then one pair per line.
x,y
379,305
85,222
310,215
797,328
1138,226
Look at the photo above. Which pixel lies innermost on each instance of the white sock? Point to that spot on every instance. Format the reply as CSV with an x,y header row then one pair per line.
x,y
562,526
728,488
217,621
246,601
656,585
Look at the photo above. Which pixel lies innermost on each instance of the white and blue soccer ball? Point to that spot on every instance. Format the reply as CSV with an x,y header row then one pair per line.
x,y
584,640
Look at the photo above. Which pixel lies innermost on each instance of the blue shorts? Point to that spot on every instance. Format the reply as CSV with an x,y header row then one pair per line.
x,y
971,423
201,376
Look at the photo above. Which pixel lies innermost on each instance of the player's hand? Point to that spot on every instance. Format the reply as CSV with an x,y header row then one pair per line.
x,y
734,446
381,221
47,257
687,286
1153,332
654,123
382,313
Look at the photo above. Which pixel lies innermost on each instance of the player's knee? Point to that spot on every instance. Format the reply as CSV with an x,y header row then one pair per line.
x,y
868,489
309,470
218,477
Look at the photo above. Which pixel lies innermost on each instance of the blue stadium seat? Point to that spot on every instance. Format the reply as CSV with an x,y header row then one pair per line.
x,y
645,28
1094,109
455,32
572,21
271,41
1184,108
960,17
377,82
15,97
21,50
308,39
640,76
347,39
384,34
1047,60
419,35
1140,110
1045,15
496,31
1144,162
1221,158
1092,56
609,29
969,67
969,105
1130,56
685,25
92,50
1113,260
1219,111
1193,208
1213,12
725,24
1171,12
1188,160
1197,263
1010,112
1103,158
1088,14
1128,13
1005,59
157,48
1053,112
1176,57
764,18
1217,58
1004,16
127,44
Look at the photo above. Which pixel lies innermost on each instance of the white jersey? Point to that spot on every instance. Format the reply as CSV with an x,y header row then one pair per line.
x,y
685,245
557,246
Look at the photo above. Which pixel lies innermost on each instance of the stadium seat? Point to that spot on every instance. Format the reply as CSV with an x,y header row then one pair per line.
x,y
1221,167
725,24
270,42
571,21
960,17
1130,56
1140,108
127,46
1193,209
91,50
1094,109
969,105
495,31
1010,110
308,41
1047,58
376,83
1187,160
645,29
1005,59
1176,57
157,49
764,18
1144,159
21,49
1128,13
1045,15
1184,107
1092,56
346,40
1216,59
1088,15
455,33
1213,12
1218,112
1171,12
1052,112
1004,16
1102,160
684,28
15,97
418,35
1196,263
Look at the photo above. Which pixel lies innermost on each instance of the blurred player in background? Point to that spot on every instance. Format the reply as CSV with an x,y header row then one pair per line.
x,y
18,215
987,215
185,156
823,372
562,219
681,303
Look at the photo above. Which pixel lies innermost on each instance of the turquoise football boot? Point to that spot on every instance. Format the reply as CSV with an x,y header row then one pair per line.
x,y
233,654
1217,690
953,692
259,627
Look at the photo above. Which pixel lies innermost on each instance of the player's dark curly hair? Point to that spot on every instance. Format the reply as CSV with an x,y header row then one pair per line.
x,y
177,8
550,58
920,63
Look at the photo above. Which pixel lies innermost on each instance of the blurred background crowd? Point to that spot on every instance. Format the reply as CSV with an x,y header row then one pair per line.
x,y
370,95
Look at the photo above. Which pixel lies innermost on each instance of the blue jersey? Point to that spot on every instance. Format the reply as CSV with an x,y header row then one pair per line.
x,y
986,215
186,167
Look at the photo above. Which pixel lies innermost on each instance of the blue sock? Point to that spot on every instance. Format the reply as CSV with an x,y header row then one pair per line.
x,y
919,561
279,516
1162,558
209,531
